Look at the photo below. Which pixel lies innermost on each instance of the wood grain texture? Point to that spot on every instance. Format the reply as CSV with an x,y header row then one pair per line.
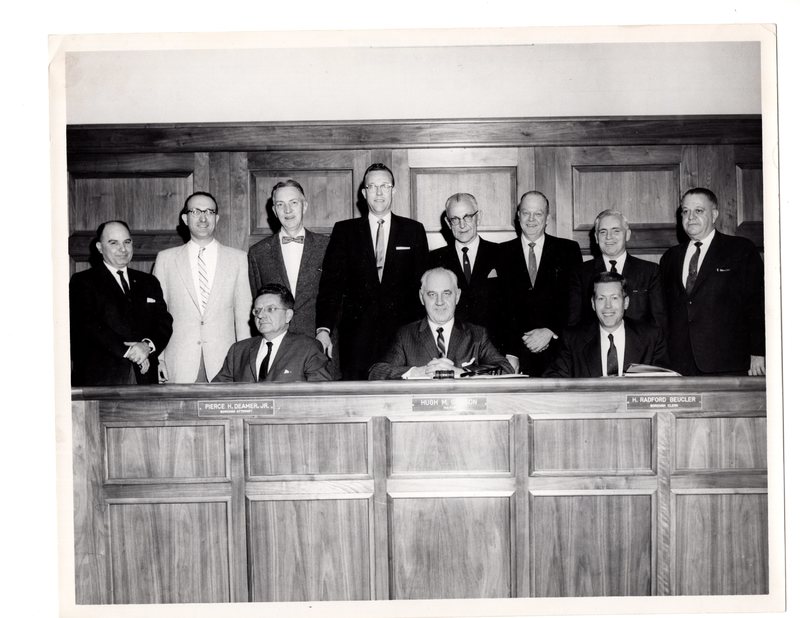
x,y
166,452
721,443
306,448
721,544
309,550
450,446
170,552
445,548
591,545
591,444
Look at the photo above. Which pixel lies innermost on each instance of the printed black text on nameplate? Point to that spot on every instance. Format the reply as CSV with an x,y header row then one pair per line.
x,y
448,404
665,401
236,407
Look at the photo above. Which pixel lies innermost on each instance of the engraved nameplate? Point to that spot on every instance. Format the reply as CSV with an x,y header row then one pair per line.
x,y
664,401
448,404
237,407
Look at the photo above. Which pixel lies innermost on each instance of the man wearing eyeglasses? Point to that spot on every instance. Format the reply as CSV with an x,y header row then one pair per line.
x,y
292,257
474,261
370,278
208,294
277,355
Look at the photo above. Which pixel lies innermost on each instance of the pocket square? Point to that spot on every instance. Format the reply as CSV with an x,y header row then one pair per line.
x,y
151,300
723,270
403,248
285,371
492,274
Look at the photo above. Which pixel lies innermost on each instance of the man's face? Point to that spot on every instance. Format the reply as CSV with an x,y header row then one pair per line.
x,y
271,317
464,229
116,245
440,296
378,191
201,226
611,236
698,216
532,216
609,303
290,206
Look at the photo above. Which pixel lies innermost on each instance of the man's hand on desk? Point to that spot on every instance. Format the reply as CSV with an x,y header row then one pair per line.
x,y
324,337
429,370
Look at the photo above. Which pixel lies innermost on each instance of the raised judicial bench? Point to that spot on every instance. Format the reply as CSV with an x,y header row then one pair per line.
x,y
411,489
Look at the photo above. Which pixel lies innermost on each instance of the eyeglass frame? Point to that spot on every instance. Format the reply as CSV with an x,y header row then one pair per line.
x,y
467,219
198,212
384,186
257,311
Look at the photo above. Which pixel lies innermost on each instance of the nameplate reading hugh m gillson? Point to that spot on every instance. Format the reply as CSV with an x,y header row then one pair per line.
x,y
664,401
234,407
448,404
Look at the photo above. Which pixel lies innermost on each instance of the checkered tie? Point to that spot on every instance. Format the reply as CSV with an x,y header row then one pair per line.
x,y
202,275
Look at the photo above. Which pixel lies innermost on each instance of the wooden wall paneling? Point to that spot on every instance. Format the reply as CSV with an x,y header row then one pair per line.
x,y
527,177
92,555
750,193
240,201
202,172
397,161
219,185
520,515
717,171
721,443
379,528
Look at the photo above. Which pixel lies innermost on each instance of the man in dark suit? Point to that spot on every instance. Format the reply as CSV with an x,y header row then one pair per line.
x,y
370,277
535,272
645,296
438,342
292,257
118,319
714,294
277,355
474,261
612,342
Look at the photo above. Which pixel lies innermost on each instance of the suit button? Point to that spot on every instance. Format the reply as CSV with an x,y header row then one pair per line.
x,y
202,323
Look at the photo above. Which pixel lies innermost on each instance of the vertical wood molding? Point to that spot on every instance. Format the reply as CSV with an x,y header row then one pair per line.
x,y
379,533
219,185
397,160
520,514
240,202
201,173
664,549
237,526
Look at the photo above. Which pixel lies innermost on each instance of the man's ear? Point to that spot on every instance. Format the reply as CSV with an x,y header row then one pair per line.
x,y
626,302
289,315
185,218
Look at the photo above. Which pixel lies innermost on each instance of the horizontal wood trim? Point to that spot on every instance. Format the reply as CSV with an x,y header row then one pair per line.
x,y
146,245
186,137
94,165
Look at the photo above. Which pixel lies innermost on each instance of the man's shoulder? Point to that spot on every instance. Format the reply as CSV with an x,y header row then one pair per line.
x,y
231,251
639,265
641,329
562,243
734,243
262,246
299,341
476,330
244,344
405,222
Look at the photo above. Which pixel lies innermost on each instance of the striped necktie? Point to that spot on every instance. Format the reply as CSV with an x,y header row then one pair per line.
x,y
440,342
202,275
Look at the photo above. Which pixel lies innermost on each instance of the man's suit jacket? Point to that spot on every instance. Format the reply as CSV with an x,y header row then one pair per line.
x,y
102,318
298,359
480,301
225,320
544,305
368,310
265,263
644,291
579,353
720,324
414,346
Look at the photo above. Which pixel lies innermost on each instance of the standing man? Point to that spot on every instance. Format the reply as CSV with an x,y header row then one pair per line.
x,y
206,288
714,295
370,277
475,262
292,257
536,269
118,319
644,293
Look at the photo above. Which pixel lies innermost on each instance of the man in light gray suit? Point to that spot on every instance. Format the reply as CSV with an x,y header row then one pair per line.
x,y
207,292
292,257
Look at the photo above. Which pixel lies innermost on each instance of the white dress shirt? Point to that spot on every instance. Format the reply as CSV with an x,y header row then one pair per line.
x,y
448,329
209,257
373,230
292,255
619,343
690,250
620,262
537,249
113,271
262,351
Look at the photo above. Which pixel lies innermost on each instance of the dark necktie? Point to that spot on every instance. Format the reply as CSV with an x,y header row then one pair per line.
x,y
467,267
612,364
124,283
692,277
532,268
264,369
287,239
440,342
613,265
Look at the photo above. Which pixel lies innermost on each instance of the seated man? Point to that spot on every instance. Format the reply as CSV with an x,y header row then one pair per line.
x,y
608,346
438,342
277,355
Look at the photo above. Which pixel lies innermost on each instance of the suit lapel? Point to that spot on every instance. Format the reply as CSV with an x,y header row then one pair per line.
x,y
426,336
276,256
278,355
709,262
252,355
480,269
633,347
391,242
184,269
110,282
309,249
456,344
592,353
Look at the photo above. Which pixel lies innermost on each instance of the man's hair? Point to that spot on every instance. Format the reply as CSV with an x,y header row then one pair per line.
x,y
438,269
461,197
195,194
609,277
540,194
287,183
102,226
377,167
707,193
611,213
280,290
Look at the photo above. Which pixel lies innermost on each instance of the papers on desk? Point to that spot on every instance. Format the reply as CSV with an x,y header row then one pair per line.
x,y
648,371
483,376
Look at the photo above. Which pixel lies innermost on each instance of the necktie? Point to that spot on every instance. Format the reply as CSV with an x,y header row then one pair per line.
x,y
613,265
124,283
264,369
532,269
692,277
467,267
380,253
202,276
287,239
440,342
612,364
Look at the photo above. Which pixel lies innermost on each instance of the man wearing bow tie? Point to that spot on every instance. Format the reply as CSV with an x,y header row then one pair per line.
x,y
292,257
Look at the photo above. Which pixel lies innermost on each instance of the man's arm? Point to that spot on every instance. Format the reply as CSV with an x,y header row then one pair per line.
x,y
253,272
160,329
86,322
242,299
227,373
576,298
655,299
563,366
488,355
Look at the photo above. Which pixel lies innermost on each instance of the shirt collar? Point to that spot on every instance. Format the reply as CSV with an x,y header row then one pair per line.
x,y
606,333
539,241
113,270
276,341
196,247
472,245
374,219
282,233
620,261
706,241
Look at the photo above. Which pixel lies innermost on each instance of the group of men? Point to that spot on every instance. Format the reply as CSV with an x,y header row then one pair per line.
x,y
372,296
